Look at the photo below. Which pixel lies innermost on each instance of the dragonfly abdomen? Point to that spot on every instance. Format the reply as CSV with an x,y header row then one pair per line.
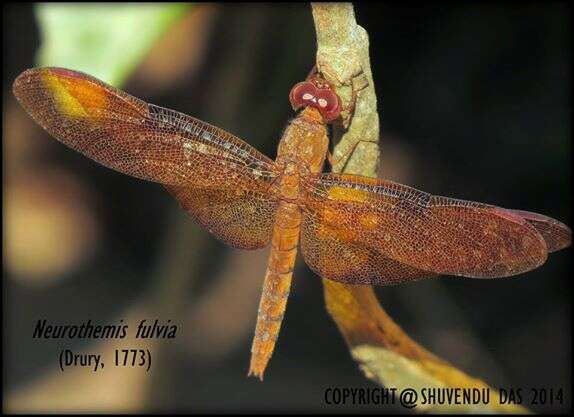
x,y
276,285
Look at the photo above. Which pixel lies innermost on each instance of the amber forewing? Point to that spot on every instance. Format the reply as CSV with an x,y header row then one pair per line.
x,y
428,233
340,256
191,157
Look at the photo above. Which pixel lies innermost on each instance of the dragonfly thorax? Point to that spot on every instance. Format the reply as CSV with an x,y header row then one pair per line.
x,y
304,142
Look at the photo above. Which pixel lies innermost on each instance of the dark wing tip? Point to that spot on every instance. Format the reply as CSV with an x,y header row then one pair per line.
x,y
556,234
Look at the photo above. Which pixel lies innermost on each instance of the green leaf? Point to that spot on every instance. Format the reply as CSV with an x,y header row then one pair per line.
x,y
107,41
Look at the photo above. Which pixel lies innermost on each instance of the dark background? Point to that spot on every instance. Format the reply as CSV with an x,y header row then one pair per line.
x,y
474,103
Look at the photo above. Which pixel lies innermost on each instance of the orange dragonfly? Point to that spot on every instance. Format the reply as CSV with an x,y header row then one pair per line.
x,y
352,229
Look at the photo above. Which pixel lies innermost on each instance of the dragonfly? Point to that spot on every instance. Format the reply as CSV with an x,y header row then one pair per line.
x,y
351,229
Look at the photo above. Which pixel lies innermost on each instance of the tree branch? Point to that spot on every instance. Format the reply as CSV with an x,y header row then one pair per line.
x,y
384,352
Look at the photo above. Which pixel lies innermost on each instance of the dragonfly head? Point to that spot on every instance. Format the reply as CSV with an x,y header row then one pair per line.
x,y
318,93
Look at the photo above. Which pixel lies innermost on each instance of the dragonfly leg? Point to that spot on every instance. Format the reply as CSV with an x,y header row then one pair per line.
x,y
358,83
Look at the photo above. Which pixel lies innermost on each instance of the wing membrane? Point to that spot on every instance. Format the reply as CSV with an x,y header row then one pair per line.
x,y
241,219
193,159
340,256
556,235
431,233
124,133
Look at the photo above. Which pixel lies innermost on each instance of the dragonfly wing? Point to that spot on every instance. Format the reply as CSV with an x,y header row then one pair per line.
x,y
195,160
242,219
556,234
431,233
339,254
131,136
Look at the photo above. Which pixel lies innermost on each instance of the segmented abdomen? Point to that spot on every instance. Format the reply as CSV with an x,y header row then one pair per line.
x,y
276,285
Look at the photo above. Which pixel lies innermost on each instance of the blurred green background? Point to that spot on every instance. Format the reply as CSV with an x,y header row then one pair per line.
x,y
474,103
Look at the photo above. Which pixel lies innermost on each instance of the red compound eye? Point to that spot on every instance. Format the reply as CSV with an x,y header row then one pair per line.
x,y
321,97
328,104
302,94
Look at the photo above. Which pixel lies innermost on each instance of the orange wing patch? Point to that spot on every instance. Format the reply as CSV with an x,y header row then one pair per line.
x,y
73,96
339,254
369,220
347,194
